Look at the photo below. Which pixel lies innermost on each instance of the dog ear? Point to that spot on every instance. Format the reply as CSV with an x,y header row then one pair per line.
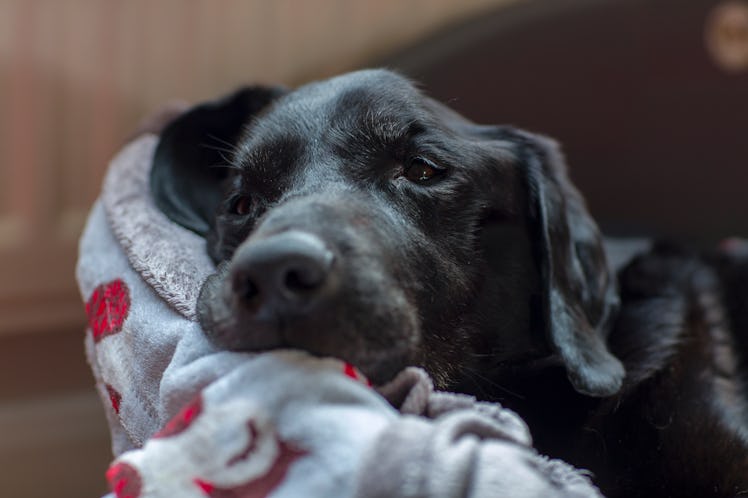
x,y
580,296
186,180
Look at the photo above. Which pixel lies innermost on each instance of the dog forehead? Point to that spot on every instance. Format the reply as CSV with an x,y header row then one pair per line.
x,y
370,85
345,99
318,112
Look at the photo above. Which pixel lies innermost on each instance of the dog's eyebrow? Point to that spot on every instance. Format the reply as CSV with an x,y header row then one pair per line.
x,y
372,129
390,129
276,151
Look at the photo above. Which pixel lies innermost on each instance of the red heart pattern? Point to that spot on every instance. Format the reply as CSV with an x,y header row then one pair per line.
x,y
114,397
355,374
107,308
124,480
182,421
261,486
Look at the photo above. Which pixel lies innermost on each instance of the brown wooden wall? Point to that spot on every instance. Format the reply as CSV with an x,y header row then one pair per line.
x,y
75,77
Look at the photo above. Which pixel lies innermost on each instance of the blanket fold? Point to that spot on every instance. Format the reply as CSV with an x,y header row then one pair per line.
x,y
188,420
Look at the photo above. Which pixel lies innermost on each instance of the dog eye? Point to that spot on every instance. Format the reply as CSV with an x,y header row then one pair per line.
x,y
420,170
241,205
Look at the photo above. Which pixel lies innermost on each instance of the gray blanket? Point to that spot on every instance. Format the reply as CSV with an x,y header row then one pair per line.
x,y
189,420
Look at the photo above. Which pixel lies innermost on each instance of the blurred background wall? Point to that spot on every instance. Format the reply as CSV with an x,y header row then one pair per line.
x,y
648,97
75,78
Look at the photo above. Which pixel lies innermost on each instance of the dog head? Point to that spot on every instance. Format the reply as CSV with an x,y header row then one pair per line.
x,y
357,218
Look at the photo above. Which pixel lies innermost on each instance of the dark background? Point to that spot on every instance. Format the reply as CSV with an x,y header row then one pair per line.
x,y
654,127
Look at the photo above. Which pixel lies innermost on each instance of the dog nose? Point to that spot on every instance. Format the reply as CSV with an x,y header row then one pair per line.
x,y
282,274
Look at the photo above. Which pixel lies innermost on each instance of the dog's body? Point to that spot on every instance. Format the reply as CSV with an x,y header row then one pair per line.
x,y
678,427
357,218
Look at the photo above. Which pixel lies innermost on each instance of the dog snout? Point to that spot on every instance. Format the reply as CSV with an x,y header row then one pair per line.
x,y
283,274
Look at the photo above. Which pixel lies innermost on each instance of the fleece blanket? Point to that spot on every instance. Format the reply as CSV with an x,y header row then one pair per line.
x,y
188,420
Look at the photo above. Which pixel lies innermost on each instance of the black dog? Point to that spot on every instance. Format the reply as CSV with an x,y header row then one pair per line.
x,y
679,425
357,218
366,221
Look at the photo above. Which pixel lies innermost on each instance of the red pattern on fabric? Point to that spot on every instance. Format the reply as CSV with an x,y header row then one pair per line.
x,y
251,446
354,373
124,480
264,485
107,308
205,486
114,397
183,419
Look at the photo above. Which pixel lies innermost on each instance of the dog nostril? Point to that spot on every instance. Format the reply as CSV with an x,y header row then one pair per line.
x,y
245,289
302,280
282,274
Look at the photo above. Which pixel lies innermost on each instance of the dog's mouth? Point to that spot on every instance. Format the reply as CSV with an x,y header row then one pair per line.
x,y
378,363
291,290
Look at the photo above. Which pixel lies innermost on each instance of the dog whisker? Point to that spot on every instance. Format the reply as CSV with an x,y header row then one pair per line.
x,y
222,152
473,374
230,147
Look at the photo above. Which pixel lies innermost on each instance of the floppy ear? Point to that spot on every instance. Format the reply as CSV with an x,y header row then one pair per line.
x,y
580,296
185,181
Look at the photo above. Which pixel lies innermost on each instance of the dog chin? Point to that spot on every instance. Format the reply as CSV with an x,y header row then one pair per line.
x,y
379,367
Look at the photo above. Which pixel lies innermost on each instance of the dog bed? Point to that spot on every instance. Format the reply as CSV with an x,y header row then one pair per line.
x,y
188,420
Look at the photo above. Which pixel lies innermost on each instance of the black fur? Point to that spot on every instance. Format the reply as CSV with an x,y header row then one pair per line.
x,y
357,218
